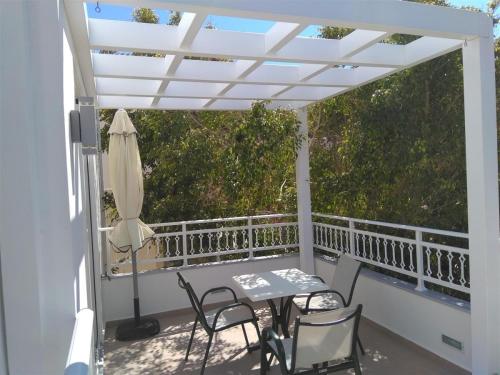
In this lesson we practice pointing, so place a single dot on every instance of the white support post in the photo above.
(250, 238)
(184, 245)
(420, 262)
(304, 197)
(352, 243)
(482, 198)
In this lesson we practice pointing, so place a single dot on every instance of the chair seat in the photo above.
(287, 347)
(229, 317)
(327, 301)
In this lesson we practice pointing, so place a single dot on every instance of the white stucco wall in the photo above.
(43, 240)
(418, 317)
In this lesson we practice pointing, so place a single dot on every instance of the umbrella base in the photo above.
(129, 330)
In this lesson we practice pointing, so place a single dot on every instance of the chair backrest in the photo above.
(193, 299)
(345, 276)
(324, 337)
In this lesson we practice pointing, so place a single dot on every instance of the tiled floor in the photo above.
(386, 353)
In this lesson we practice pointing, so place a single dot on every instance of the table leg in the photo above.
(281, 319)
(285, 316)
(274, 314)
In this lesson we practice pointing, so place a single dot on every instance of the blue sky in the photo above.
(225, 23)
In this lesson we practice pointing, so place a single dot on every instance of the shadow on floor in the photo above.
(386, 352)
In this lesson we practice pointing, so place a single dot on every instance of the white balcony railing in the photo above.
(204, 241)
(428, 255)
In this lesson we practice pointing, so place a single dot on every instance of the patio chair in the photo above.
(340, 295)
(322, 343)
(222, 318)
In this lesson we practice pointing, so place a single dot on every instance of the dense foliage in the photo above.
(394, 150)
(214, 164)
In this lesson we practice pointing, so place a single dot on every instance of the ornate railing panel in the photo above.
(205, 241)
(427, 255)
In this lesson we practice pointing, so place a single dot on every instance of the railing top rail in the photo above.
(209, 221)
(397, 226)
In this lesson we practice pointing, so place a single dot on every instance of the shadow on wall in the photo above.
(77, 369)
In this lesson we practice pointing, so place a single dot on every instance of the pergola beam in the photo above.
(151, 68)
(77, 24)
(392, 16)
(194, 104)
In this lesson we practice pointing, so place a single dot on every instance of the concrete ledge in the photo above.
(203, 265)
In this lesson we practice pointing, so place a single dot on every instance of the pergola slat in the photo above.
(279, 35)
(359, 40)
(188, 27)
(147, 38)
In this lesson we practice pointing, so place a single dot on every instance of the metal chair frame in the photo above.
(211, 330)
(321, 368)
(346, 302)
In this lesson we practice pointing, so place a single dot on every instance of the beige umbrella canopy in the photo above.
(125, 172)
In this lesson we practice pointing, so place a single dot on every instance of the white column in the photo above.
(482, 197)
(304, 197)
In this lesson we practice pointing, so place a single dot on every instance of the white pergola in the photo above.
(315, 68)
(293, 71)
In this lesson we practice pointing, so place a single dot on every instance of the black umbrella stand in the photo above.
(137, 328)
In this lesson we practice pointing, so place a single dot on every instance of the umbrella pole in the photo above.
(137, 328)
(137, 309)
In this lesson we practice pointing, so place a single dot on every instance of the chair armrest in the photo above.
(218, 289)
(319, 278)
(233, 305)
(268, 334)
(327, 291)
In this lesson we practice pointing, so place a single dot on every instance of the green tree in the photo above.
(145, 15)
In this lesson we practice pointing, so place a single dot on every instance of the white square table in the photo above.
(282, 284)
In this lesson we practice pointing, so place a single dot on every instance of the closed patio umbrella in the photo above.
(130, 233)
